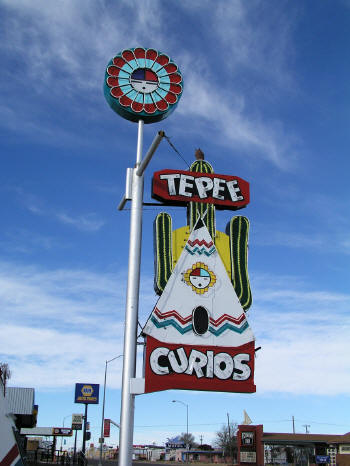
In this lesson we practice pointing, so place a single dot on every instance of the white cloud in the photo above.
(304, 337)
(61, 324)
(223, 112)
(88, 222)
(69, 44)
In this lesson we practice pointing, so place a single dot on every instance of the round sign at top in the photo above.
(143, 84)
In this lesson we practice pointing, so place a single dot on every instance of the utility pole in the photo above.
(306, 428)
(229, 435)
(201, 439)
(294, 462)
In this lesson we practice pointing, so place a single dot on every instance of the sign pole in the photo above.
(75, 447)
(84, 428)
(131, 311)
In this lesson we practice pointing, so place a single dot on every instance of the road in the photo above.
(94, 462)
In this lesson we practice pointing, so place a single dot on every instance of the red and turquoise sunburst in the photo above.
(143, 84)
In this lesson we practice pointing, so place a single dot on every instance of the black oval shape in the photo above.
(200, 320)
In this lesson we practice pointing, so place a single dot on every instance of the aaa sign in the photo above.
(181, 187)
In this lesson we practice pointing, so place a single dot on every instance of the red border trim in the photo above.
(10, 457)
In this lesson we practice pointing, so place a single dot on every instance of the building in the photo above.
(21, 405)
(11, 453)
(259, 448)
(311, 446)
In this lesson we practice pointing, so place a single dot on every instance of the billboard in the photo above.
(86, 393)
(198, 336)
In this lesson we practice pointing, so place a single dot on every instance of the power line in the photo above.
(174, 148)
(181, 425)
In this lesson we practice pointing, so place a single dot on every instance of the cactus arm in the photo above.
(238, 231)
(163, 257)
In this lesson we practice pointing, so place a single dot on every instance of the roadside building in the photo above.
(259, 448)
(11, 449)
(21, 405)
(280, 447)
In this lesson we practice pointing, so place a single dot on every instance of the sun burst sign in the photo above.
(198, 336)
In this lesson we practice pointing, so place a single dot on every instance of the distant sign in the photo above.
(86, 393)
(247, 438)
(322, 459)
(175, 445)
(77, 418)
(107, 428)
(77, 421)
(63, 431)
(248, 457)
(175, 442)
(181, 187)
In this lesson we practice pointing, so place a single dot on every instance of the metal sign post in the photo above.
(144, 86)
(132, 298)
(131, 311)
(84, 429)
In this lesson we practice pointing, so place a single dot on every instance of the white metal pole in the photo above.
(103, 416)
(131, 311)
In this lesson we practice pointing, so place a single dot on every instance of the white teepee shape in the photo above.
(199, 305)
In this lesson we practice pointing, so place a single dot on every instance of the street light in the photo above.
(178, 401)
(103, 407)
(65, 417)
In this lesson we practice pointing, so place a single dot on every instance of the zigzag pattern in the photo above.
(200, 251)
(184, 324)
(201, 242)
(200, 247)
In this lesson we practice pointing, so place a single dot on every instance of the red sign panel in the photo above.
(250, 445)
(211, 368)
(181, 187)
(107, 428)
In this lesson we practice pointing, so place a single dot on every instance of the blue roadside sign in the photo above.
(323, 459)
(86, 393)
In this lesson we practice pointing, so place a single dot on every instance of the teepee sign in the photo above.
(198, 336)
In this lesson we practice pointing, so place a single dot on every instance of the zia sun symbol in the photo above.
(143, 84)
(200, 278)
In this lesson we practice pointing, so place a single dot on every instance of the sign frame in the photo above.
(93, 398)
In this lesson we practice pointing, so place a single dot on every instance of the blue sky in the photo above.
(266, 97)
